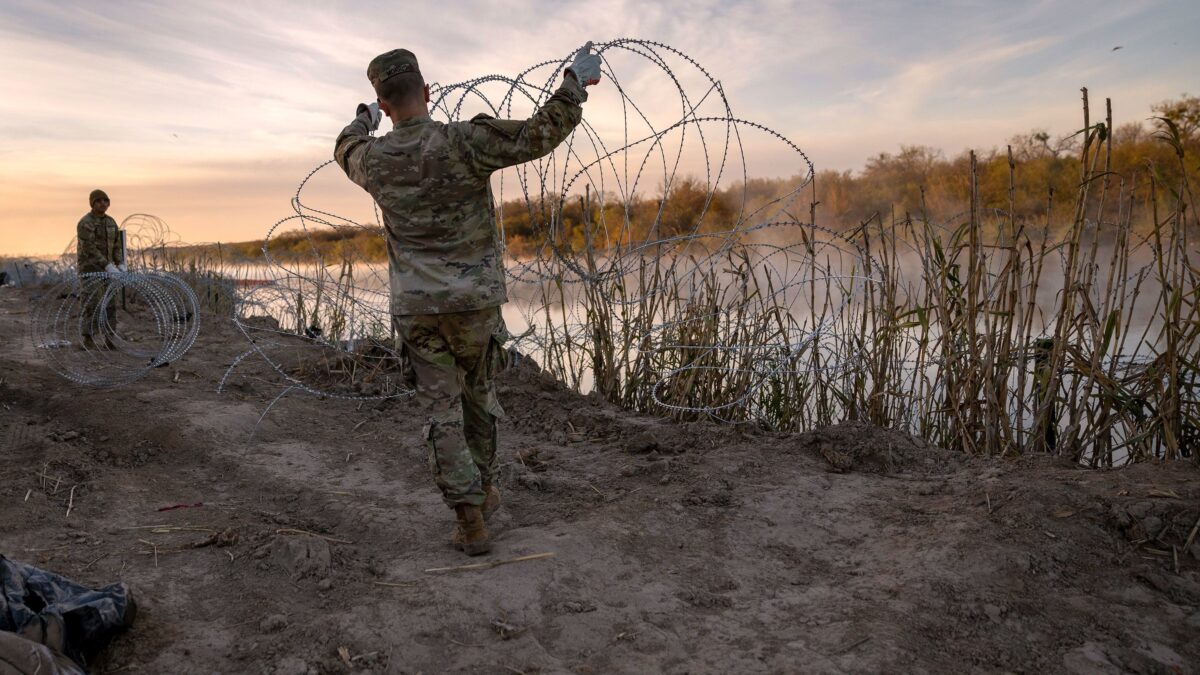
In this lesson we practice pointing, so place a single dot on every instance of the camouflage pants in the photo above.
(455, 358)
(92, 291)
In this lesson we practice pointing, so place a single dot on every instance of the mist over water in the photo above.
(824, 301)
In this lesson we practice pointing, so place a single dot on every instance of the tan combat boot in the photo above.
(491, 500)
(470, 534)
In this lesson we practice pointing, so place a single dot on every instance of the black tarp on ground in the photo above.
(44, 608)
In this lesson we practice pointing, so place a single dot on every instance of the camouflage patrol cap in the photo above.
(97, 195)
(390, 64)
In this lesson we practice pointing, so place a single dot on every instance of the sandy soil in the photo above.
(677, 548)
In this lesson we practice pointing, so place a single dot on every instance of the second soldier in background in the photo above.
(98, 248)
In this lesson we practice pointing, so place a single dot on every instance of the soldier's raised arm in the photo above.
(351, 145)
(492, 144)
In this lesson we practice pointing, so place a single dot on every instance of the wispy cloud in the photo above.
(235, 101)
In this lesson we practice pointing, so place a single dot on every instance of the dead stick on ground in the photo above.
(153, 546)
(71, 501)
(624, 494)
(1192, 536)
(288, 530)
(94, 561)
(852, 645)
(491, 564)
(1165, 494)
(160, 529)
(462, 644)
(182, 528)
(394, 584)
(165, 551)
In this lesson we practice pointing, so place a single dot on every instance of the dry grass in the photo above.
(985, 335)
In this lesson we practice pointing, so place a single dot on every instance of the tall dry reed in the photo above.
(989, 334)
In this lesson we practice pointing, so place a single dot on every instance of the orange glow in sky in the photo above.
(208, 114)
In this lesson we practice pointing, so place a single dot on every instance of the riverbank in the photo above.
(309, 547)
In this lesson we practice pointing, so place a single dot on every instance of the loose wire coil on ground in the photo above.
(108, 330)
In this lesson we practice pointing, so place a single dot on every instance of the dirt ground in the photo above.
(676, 548)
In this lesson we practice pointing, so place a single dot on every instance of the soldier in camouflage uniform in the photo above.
(431, 182)
(97, 249)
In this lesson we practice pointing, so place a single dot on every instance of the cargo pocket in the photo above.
(408, 374)
(498, 356)
(427, 436)
(497, 362)
(493, 402)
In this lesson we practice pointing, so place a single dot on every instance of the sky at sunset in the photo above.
(208, 114)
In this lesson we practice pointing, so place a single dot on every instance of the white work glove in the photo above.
(111, 268)
(586, 66)
(123, 267)
(373, 114)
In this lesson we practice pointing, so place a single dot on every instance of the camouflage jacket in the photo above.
(97, 243)
(431, 181)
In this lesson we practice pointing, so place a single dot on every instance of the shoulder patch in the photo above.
(508, 128)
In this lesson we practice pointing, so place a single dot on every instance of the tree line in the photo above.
(1034, 177)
